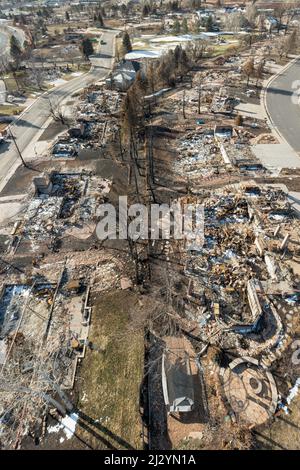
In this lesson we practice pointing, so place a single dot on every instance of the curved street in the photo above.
(283, 103)
(34, 119)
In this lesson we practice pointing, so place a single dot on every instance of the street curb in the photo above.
(48, 92)
(13, 168)
(60, 86)
(264, 99)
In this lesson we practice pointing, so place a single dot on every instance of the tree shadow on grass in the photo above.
(86, 422)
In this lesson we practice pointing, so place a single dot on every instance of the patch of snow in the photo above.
(292, 299)
(211, 34)
(54, 429)
(294, 391)
(158, 93)
(183, 38)
(139, 44)
(67, 424)
(58, 81)
(142, 54)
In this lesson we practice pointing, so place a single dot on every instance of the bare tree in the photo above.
(235, 21)
(3, 66)
(248, 69)
(199, 87)
(183, 104)
(251, 14)
(152, 75)
(166, 69)
(259, 71)
(199, 47)
(247, 39)
(289, 43)
(57, 112)
(30, 378)
(36, 74)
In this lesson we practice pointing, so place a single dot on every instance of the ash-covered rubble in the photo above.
(223, 102)
(65, 148)
(245, 267)
(198, 155)
(44, 326)
(237, 153)
(95, 123)
(212, 152)
(61, 205)
(45, 316)
(98, 113)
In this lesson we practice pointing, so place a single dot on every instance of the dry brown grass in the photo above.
(111, 379)
(284, 432)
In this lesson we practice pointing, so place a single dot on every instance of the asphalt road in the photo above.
(283, 103)
(34, 119)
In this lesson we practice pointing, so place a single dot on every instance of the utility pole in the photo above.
(18, 150)
(199, 97)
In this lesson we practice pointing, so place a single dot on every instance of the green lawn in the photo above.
(221, 49)
(10, 110)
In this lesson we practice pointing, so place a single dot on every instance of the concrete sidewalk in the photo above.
(273, 156)
(276, 156)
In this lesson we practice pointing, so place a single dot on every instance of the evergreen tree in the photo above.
(177, 55)
(173, 6)
(141, 82)
(209, 24)
(15, 49)
(127, 46)
(87, 48)
(145, 10)
(124, 9)
(176, 27)
(184, 26)
(100, 20)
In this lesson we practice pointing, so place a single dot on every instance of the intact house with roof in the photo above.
(124, 75)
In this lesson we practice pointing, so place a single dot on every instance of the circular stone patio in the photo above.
(250, 390)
